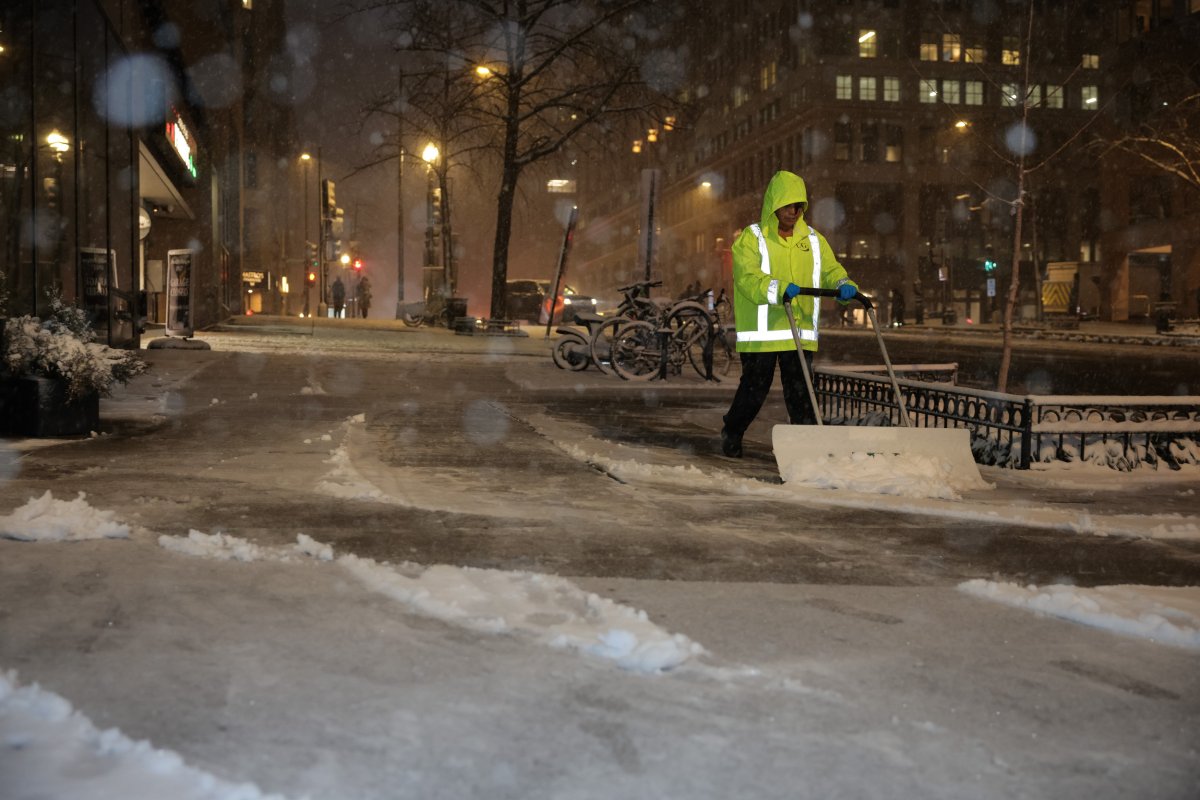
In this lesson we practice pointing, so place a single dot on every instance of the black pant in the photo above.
(758, 370)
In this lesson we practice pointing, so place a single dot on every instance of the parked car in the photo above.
(524, 299)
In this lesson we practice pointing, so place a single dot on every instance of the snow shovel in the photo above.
(796, 444)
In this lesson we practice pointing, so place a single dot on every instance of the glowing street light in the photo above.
(57, 142)
(345, 259)
(483, 71)
(430, 153)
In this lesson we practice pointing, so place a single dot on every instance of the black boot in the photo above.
(731, 444)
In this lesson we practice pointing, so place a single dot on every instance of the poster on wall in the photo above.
(95, 265)
(179, 293)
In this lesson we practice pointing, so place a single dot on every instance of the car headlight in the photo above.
(566, 301)
(595, 301)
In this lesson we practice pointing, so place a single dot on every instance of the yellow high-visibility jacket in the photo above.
(764, 264)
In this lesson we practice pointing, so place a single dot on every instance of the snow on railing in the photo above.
(1122, 432)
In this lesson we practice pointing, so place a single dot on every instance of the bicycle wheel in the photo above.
(637, 352)
(690, 324)
(724, 356)
(600, 347)
(570, 353)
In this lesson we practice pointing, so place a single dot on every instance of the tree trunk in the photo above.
(1014, 284)
(510, 172)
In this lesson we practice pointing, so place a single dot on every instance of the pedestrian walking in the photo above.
(339, 297)
(362, 294)
(772, 260)
(897, 306)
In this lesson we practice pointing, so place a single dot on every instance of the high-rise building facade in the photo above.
(913, 124)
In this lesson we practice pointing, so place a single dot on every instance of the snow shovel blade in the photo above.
(798, 445)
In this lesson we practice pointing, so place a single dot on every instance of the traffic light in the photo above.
(989, 266)
(358, 265)
(311, 277)
(313, 261)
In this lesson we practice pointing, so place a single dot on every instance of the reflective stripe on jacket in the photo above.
(765, 263)
(763, 331)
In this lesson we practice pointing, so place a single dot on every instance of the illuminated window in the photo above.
(1008, 94)
(768, 76)
(974, 54)
(951, 47)
(928, 92)
(1034, 100)
(952, 92)
(974, 93)
(866, 88)
(1011, 52)
(845, 87)
(891, 90)
(929, 48)
(1090, 97)
(868, 44)
(740, 95)
(1054, 96)
(893, 146)
(1091, 61)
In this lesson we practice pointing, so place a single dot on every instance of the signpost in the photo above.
(180, 313)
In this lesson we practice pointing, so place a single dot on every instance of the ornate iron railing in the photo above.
(1016, 430)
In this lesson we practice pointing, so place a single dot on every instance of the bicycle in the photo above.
(682, 323)
(635, 305)
(724, 352)
(572, 350)
(642, 350)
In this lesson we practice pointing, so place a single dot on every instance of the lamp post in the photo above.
(306, 159)
(437, 170)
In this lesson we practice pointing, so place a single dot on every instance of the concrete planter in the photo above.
(38, 407)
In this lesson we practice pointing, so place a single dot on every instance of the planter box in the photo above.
(38, 407)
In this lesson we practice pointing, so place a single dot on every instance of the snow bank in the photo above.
(50, 750)
(550, 610)
(44, 519)
(1168, 615)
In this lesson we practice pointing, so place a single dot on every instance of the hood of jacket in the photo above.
(784, 189)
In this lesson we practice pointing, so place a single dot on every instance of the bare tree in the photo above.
(541, 73)
(1167, 134)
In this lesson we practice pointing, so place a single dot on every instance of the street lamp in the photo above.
(57, 142)
(306, 159)
(439, 206)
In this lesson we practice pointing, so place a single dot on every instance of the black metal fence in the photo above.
(1017, 430)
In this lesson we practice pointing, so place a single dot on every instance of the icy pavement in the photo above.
(377, 573)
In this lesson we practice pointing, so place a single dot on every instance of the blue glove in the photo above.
(846, 293)
(791, 291)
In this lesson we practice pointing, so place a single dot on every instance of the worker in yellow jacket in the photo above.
(772, 259)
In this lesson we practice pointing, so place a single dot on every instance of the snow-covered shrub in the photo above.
(63, 347)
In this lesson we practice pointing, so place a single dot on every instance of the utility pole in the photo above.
(399, 187)
(322, 304)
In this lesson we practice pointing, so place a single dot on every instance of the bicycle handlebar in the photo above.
(859, 296)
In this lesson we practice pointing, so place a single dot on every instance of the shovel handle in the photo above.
(859, 296)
